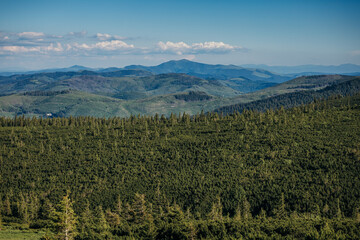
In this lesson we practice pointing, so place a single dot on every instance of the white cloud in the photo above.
(107, 37)
(214, 46)
(56, 48)
(30, 35)
(25, 49)
(77, 34)
(105, 45)
(78, 43)
(19, 49)
(180, 48)
(102, 36)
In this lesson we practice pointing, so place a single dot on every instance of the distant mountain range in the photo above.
(250, 71)
(174, 86)
(223, 72)
(350, 69)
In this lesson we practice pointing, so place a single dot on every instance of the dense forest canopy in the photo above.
(287, 172)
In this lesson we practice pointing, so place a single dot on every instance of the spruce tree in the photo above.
(216, 210)
(7, 206)
(280, 211)
(86, 223)
(246, 210)
(65, 219)
(0, 221)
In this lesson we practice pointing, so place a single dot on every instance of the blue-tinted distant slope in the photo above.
(220, 72)
(308, 69)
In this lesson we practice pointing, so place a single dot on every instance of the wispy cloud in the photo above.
(11, 50)
(30, 35)
(71, 35)
(107, 37)
(80, 43)
(181, 48)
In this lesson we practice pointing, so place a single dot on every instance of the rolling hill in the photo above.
(171, 87)
(293, 99)
(223, 72)
(163, 94)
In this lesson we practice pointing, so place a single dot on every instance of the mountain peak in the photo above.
(78, 67)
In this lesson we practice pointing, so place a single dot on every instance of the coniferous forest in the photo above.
(287, 173)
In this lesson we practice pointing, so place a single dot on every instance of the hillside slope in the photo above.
(221, 72)
(343, 86)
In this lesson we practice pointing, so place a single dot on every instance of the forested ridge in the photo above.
(294, 99)
(256, 175)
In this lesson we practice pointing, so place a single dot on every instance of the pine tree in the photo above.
(216, 210)
(0, 221)
(46, 209)
(22, 207)
(357, 215)
(238, 214)
(102, 226)
(280, 211)
(119, 207)
(86, 223)
(7, 206)
(246, 213)
(339, 214)
(65, 219)
(139, 208)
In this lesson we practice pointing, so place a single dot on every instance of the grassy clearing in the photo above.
(17, 234)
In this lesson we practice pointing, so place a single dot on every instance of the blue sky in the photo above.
(42, 34)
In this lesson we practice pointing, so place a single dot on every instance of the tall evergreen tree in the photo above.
(86, 223)
(280, 211)
(65, 219)
(216, 210)
(102, 226)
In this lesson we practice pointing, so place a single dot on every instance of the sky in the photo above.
(41, 34)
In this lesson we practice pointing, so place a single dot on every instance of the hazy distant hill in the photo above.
(88, 81)
(125, 84)
(74, 68)
(309, 69)
(223, 72)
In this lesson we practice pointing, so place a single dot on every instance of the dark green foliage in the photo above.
(193, 96)
(294, 99)
(286, 173)
(46, 93)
